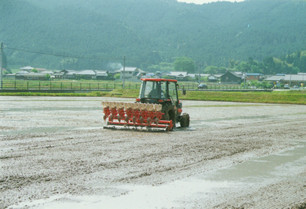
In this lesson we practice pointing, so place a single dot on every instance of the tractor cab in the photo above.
(159, 91)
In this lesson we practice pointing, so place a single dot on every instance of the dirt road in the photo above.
(54, 152)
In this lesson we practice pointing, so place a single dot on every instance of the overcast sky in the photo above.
(206, 1)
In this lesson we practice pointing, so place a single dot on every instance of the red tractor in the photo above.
(157, 108)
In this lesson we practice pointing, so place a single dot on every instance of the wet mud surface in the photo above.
(55, 150)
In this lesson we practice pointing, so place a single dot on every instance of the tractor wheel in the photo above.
(185, 120)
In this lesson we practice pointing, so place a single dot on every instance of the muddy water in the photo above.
(55, 153)
(200, 191)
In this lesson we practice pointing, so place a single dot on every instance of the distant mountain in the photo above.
(93, 33)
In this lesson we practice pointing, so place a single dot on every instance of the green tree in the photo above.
(117, 76)
(184, 64)
(163, 66)
(211, 69)
(269, 65)
(48, 77)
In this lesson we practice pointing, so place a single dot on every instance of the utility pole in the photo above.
(123, 73)
(1, 63)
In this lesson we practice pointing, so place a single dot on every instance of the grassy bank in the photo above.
(128, 93)
(280, 97)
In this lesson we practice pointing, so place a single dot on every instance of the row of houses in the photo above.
(291, 79)
(134, 74)
(30, 73)
(227, 77)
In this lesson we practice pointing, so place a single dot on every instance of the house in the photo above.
(295, 79)
(149, 75)
(158, 74)
(103, 75)
(27, 68)
(291, 79)
(21, 74)
(69, 74)
(254, 76)
(32, 76)
(230, 78)
(8, 75)
(41, 69)
(212, 78)
(131, 73)
(239, 73)
(178, 75)
(59, 74)
(86, 74)
(275, 78)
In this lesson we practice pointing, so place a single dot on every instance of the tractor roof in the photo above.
(158, 79)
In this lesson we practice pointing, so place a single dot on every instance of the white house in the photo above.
(178, 75)
(27, 68)
(131, 73)
(101, 75)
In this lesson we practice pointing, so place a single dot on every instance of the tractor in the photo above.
(157, 108)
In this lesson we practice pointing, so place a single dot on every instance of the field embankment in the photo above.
(279, 97)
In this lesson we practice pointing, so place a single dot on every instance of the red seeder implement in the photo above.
(119, 115)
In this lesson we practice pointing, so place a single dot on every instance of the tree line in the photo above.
(289, 64)
(152, 33)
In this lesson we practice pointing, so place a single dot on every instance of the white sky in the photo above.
(206, 1)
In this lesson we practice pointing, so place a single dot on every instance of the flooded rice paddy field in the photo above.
(54, 153)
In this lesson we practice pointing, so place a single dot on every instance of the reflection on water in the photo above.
(265, 167)
(261, 171)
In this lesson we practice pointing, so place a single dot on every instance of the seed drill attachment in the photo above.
(135, 116)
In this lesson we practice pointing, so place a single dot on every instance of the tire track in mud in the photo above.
(85, 161)
(176, 151)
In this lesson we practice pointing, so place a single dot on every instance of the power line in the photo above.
(62, 55)
(1, 62)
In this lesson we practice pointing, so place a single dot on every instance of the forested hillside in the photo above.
(93, 33)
